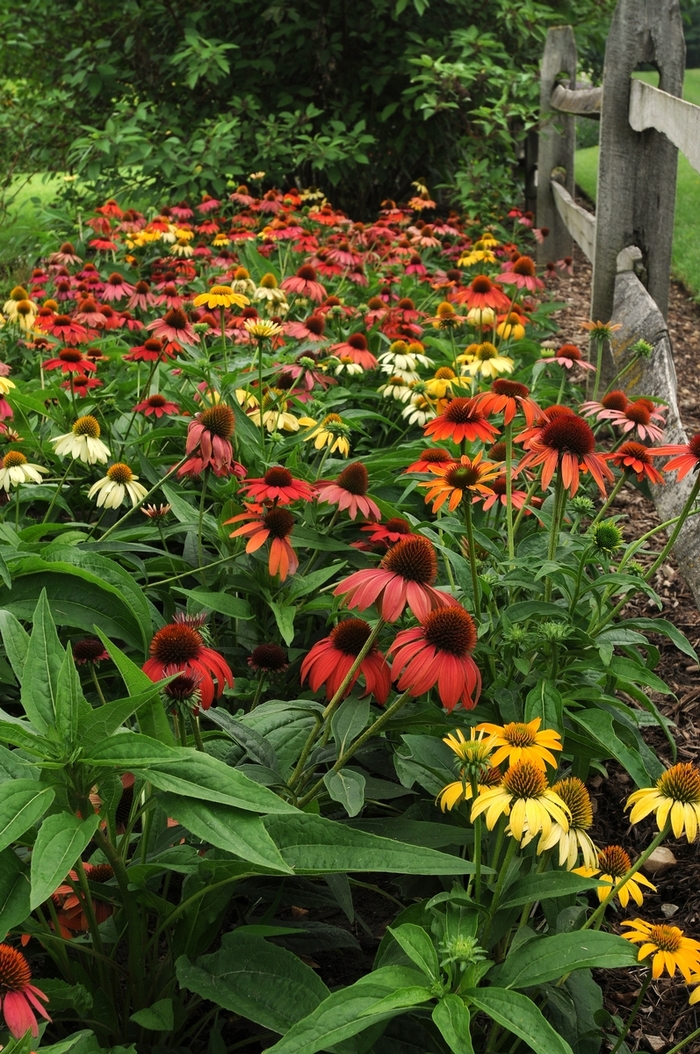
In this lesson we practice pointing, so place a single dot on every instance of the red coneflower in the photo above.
(434, 459)
(81, 384)
(636, 415)
(311, 328)
(637, 458)
(174, 327)
(70, 360)
(329, 662)
(349, 492)
(385, 534)
(567, 443)
(89, 649)
(458, 479)
(438, 654)
(277, 485)
(684, 456)
(355, 348)
(499, 494)
(522, 273)
(530, 435)
(404, 577)
(18, 998)
(156, 404)
(268, 658)
(276, 524)
(304, 283)
(508, 397)
(89, 313)
(482, 292)
(65, 328)
(152, 350)
(209, 441)
(461, 419)
(178, 648)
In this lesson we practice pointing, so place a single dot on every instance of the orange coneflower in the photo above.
(637, 458)
(567, 443)
(355, 348)
(276, 524)
(461, 419)
(70, 360)
(508, 397)
(438, 654)
(499, 493)
(482, 292)
(432, 460)
(385, 534)
(686, 456)
(179, 648)
(468, 476)
(330, 660)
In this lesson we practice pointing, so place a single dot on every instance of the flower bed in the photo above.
(309, 570)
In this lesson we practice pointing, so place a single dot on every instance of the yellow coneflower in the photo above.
(262, 328)
(525, 797)
(613, 864)
(220, 296)
(668, 945)
(675, 797)
(573, 793)
(332, 432)
(518, 741)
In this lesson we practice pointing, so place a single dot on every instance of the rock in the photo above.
(669, 910)
(656, 1044)
(661, 860)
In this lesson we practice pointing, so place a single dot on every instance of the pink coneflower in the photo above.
(170, 296)
(181, 211)
(615, 400)
(461, 419)
(685, 457)
(386, 534)
(508, 397)
(152, 350)
(567, 443)
(275, 524)
(522, 273)
(637, 458)
(499, 494)
(637, 416)
(156, 405)
(302, 375)
(311, 328)
(355, 348)
(209, 443)
(142, 297)
(349, 492)
(404, 578)
(416, 266)
(330, 660)
(89, 313)
(70, 360)
(66, 255)
(568, 356)
(178, 648)
(174, 327)
(19, 999)
(208, 204)
(278, 485)
(304, 283)
(438, 654)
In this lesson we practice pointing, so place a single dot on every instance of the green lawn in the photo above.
(686, 244)
(23, 222)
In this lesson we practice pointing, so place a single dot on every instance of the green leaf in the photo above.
(14, 891)
(222, 603)
(314, 845)
(418, 947)
(103, 722)
(42, 664)
(546, 887)
(402, 999)
(14, 767)
(346, 1012)
(61, 839)
(71, 704)
(23, 803)
(548, 958)
(519, 1015)
(16, 641)
(256, 746)
(349, 721)
(284, 616)
(600, 725)
(348, 788)
(226, 828)
(200, 776)
(258, 980)
(152, 719)
(545, 702)
(453, 1020)
(662, 625)
(64, 996)
(157, 1018)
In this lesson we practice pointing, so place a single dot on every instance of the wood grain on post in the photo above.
(636, 170)
(557, 143)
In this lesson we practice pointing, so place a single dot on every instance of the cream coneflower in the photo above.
(113, 488)
(83, 442)
(15, 469)
(262, 328)
(675, 797)
(486, 360)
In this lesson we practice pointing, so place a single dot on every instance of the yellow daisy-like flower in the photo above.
(446, 317)
(6, 385)
(83, 442)
(182, 248)
(220, 296)
(486, 361)
(332, 432)
(512, 327)
(113, 488)
(475, 751)
(525, 797)
(613, 865)
(668, 945)
(15, 469)
(484, 317)
(440, 384)
(575, 796)
(518, 741)
(261, 328)
(487, 241)
(476, 256)
(461, 790)
(675, 797)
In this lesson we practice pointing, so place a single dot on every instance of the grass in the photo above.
(686, 246)
(24, 223)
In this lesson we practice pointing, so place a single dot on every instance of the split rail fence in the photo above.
(629, 239)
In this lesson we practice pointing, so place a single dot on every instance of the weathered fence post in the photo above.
(636, 170)
(557, 143)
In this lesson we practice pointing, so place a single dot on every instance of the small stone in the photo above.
(669, 910)
(655, 1044)
(693, 668)
(662, 859)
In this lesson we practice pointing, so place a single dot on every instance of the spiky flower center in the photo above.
(241, 274)
(397, 526)
(681, 783)
(176, 318)
(176, 644)
(461, 477)
(524, 265)
(435, 455)
(358, 341)
(279, 522)
(569, 434)
(268, 657)
(70, 355)
(143, 287)
(614, 861)
(525, 780)
(481, 284)
(497, 452)
(120, 473)
(444, 373)
(278, 476)
(15, 974)
(156, 401)
(451, 630)
(638, 412)
(398, 347)
(518, 734)
(607, 536)
(406, 304)
(445, 310)
(615, 400)
(13, 458)
(316, 324)
(307, 273)
(19, 293)
(486, 351)
(666, 938)
(462, 412)
(351, 636)
(573, 793)
(354, 479)
(694, 445)
(89, 649)
(87, 426)
(636, 450)
(221, 290)
(569, 351)
(183, 688)
(413, 559)
(219, 420)
(100, 873)
(512, 389)
(268, 281)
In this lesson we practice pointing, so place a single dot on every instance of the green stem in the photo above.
(88, 906)
(521, 512)
(512, 849)
(554, 530)
(132, 914)
(600, 910)
(477, 842)
(200, 522)
(59, 488)
(600, 344)
(685, 1042)
(222, 320)
(194, 721)
(509, 488)
(562, 386)
(147, 386)
(472, 558)
(613, 494)
(676, 531)
(96, 682)
(260, 398)
(633, 1014)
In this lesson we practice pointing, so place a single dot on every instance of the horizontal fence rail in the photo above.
(677, 119)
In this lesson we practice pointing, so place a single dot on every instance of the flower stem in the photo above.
(477, 842)
(222, 321)
(685, 1042)
(260, 397)
(676, 531)
(600, 910)
(509, 488)
(200, 521)
(96, 682)
(611, 498)
(600, 344)
(145, 498)
(554, 530)
(59, 488)
(504, 868)
(472, 558)
(633, 1014)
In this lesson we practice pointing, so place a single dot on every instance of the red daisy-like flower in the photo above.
(276, 524)
(355, 348)
(385, 534)
(70, 360)
(179, 648)
(509, 398)
(404, 578)
(482, 292)
(567, 443)
(531, 435)
(117, 288)
(142, 297)
(499, 494)
(81, 384)
(174, 327)
(65, 328)
(349, 492)
(279, 486)
(461, 419)
(156, 404)
(312, 328)
(304, 283)
(19, 999)
(438, 654)
(458, 479)
(637, 458)
(684, 456)
(522, 273)
(435, 459)
(152, 350)
(329, 662)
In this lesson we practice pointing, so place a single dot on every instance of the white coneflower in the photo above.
(83, 442)
(15, 469)
(113, 488)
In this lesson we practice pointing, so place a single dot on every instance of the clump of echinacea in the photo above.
(116, 486)
(83, 442)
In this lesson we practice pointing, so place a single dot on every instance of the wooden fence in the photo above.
(629, 239)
